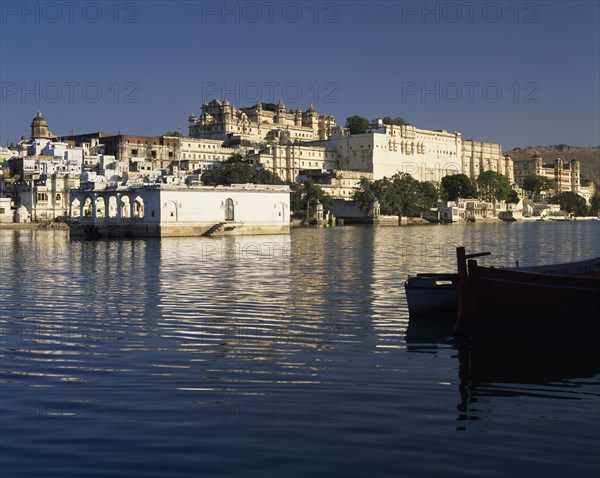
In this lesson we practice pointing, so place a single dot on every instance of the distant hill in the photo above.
(589, 157)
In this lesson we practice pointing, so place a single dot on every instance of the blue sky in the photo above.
(518, 73)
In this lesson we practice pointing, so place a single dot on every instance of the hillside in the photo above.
(589, 157)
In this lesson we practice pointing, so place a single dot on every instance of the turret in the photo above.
(310, 118)
(509, 168)
(259, 110)
(39, 128)
(227, 116)
(539, 164)
(280, 107)
(575, 176)
(280, 115)
(558, 170)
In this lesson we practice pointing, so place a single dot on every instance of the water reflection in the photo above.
(483, 363)
(210, 345)
(431, 330)
(251, 308)
(488, 369)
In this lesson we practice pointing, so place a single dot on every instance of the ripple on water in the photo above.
(283, 355)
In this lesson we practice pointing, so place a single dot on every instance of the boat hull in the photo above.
(516, 303)
(432, 295)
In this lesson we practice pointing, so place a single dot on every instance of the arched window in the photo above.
(229, 210)
(112, 206)
(75, 208)
(125, 207)
(100, 207)
(138, 208)
(87, 207)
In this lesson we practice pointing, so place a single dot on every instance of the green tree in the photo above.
(572, 203)
(173, 133)
(458, 186)
(304, 196)
(296, 200)
(269, 107)
(357, 124)
(235, 171)
(395, 121)
(365, 195)
(400, 195)
(267, 177)
(392, 197)
(493, 185)
(595, 204)
(536, 184)
(513, 197)
(429, 195)
(404, 195)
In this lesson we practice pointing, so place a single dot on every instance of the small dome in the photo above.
(192, 117)
(280, 105)
(311, 108)
(39, 119)
(225, 102)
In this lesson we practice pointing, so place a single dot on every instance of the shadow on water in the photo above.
(547, 368)
(532, 361)
(495, 368)
(430, 330)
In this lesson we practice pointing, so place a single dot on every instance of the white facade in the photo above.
(289, 160)
(198, 154)
(160, 210)
(343, 184)
(567, 175)
(224, 122)
(387, 150)
(469, 210)
(6, 213)
(478, 157)
(47, 170)
(427, 155)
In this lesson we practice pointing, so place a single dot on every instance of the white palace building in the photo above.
(299, 144)
(114, 170)
(167, 210)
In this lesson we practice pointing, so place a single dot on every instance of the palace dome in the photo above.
(39, 120)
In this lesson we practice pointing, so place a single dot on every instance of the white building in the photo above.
(427, 155)
(46, 175)
(566, 175)
(468, 210)
(289, 161)
(6, 213)
(161, 210)
(226, 122)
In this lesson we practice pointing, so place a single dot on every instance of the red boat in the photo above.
(548, 300)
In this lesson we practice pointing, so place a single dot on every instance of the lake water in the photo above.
(276, 356)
